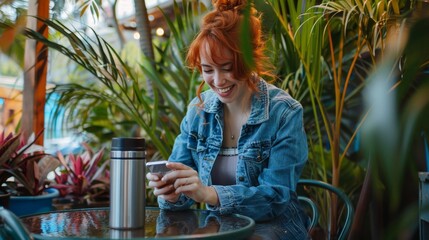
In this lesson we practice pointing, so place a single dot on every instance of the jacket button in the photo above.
(241, 178)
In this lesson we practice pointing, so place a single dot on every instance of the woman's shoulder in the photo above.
(278, 96)
(281, 96)
(210, 103)
(271, 101)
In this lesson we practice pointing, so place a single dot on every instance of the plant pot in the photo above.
(96, 203)
(27, 205)
(66, 203)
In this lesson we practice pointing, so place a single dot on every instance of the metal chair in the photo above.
(309, 202)
(10, 227)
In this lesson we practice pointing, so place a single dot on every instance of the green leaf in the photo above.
(246, 38)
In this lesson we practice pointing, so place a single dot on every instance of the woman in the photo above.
(242, 145)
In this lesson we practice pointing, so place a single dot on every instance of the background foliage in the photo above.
(364, 105)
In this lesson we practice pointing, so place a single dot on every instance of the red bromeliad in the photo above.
(24, 166)
(81, 173)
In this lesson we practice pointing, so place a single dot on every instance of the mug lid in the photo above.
(128, 144)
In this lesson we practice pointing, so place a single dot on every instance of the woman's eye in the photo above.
(207, 70)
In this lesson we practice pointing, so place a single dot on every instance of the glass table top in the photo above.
(159, 224)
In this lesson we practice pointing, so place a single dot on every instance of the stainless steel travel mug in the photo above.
(127, 183)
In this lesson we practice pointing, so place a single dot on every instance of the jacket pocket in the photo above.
(198, 146)
(255, 157)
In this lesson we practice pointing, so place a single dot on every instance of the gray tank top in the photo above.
(225, 166)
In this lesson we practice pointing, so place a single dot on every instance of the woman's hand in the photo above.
(161, 188)
(185, 180)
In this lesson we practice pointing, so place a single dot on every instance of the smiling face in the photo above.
(217, 70)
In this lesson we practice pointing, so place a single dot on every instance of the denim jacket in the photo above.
(272, 151)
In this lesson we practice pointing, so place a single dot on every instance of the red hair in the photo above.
(220, 29)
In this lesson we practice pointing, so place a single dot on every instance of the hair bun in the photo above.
(226, 5)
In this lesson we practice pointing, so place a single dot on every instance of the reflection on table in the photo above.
(94, 223)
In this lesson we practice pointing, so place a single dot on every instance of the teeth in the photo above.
(224, 90)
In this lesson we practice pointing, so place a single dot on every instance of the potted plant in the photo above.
(24, 167)
(83, 180)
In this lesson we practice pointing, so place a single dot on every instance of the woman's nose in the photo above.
(219, 78)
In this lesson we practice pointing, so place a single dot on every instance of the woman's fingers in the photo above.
(168, 193)
(182, 180)
(177, 174)
(157, 184)
(177, 166)
(186, 184)
(164, 190)
(152, 177)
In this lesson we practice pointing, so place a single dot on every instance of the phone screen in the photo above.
(158, 167)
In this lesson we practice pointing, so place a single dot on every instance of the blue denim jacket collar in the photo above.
(260, 104)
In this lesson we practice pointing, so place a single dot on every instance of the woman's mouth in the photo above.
(224, 90)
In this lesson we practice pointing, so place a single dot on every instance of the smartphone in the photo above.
(158, 167)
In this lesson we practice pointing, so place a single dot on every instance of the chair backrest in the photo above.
(310, 195)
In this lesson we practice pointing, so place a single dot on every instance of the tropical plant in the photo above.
(397, 101)
(326, 52)
(10, 43)
(83, 176)
(24, 166)
(118, 102)
(301, 39)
